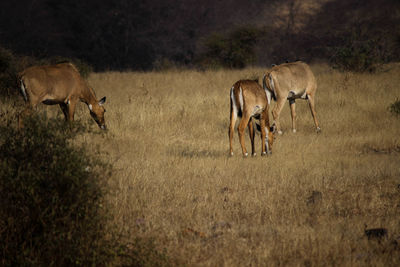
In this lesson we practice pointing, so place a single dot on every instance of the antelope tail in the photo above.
(267, 91)
(236, 107)
(23, 90)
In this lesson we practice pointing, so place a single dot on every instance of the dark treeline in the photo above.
(146, 34)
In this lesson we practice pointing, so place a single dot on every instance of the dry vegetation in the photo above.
(306, 204)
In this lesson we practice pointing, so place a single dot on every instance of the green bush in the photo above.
(51, 196)
(355, 55)
(53, 210)
(8, 70)
(395, 107)
(235, 50)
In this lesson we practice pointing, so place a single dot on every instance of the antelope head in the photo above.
(97, 112)
(270, 138)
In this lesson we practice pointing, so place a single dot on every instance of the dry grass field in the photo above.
(307, 204)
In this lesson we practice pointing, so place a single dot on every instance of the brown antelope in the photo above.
(249, 100)
(290, 81)
(63, 85)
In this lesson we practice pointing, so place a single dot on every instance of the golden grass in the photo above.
(306, 204)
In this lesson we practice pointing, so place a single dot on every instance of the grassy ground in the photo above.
(306, 204)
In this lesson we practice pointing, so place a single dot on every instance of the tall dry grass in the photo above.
(306, 204)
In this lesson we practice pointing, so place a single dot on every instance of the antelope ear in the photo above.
(102, 101)
(90, 107)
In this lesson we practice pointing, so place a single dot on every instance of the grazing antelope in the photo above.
(290, 81)
(63, 85)
(249, 100)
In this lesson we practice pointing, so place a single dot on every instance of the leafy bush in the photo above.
(8, 70)
(395, 107)
(355, 55)
(47, 196)
(52, 208)
(52, 197)
(236, 50)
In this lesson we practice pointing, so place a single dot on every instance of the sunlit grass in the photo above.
(306, 204)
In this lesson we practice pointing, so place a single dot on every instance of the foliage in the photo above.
(355, 55)
(52, 197)
(8, 70)
(53, 209)
(395, 107)
(236, 50)
(121, 35)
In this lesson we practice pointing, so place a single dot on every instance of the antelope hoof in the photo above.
(294, 131)
(245, 154)
(318, 130)
(254, 154)
(264, 154)
(231, 154)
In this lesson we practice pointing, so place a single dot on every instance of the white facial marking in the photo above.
(280, 132)
(68, 102)
(90, 107)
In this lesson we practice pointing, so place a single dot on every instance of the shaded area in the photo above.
(146, 34)
(53, 209)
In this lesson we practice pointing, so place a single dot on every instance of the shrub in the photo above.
(8, 70)
(355, 54)
(395, 107)
(162, 64)
(51, 196)
(236, 50)
(53, 210)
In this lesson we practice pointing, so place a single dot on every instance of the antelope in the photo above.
(249, 100)
(63, 85)
(290, 81)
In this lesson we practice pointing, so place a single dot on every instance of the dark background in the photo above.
(151, 34)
